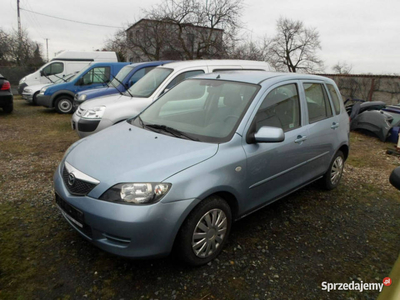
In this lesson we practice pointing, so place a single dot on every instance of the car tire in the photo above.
(8, 109)
(63, 105)
(34, 99)
(332, 177)
(204, 232)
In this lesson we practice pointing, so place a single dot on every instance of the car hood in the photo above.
(108, 100)
(37, 87)
(103, 91)
(126, 153)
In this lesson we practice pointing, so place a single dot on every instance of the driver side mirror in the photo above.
(268, 134)
(41, 73)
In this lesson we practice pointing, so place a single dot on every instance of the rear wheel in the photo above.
(63, 105)
(332, 177)
(205, 232)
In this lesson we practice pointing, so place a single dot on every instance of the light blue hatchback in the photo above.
(210, 151)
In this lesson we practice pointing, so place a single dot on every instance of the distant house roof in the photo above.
(171, 22)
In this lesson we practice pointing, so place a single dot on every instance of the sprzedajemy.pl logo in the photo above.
(356, 286)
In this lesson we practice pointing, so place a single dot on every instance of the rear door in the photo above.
(322, 124)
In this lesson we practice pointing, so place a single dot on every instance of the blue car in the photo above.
(127, 77)
(210, 151)
(61, 95)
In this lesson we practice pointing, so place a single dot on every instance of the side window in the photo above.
(97, 75)
(335, 98)
(54, 68)
(318, 104)
(139, 74)
(181, 77)
(281, 108)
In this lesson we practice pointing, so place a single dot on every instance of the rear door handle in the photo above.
(300, 139)
(334, 125)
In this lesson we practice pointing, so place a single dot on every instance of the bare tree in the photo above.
(19, 50)
(294, 47)
(183, 29)
(342, 68)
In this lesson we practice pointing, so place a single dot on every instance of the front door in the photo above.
(273, 169)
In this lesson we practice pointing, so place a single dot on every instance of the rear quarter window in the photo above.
(335, 98)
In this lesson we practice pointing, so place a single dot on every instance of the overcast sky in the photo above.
(363, 33)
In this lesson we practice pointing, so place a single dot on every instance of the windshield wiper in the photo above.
(173, 131)
(127, 90)
(111, 82)
(60, 78)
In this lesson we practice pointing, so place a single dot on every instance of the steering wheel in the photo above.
(230, 116)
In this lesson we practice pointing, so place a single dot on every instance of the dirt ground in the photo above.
(284, 251)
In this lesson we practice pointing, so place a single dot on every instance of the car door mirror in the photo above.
(395, 178)
(268, 134)
(80, 81)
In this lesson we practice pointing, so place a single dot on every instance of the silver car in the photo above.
(212, 150)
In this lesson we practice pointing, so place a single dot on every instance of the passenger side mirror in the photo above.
(80, 81)
(268, 134)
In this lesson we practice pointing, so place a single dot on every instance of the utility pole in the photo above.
(19, 22)
(47, 48)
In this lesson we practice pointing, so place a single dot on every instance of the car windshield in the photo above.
(120, 76)
(146, 86)
(199, 109)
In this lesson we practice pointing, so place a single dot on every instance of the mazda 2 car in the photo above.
(208, 152)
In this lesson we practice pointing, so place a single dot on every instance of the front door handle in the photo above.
(300, 139)
(334, 125)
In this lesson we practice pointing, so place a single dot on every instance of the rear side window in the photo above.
(335, 98)
(281, 108)
(318, 104)
(181, 77)
(54, 68)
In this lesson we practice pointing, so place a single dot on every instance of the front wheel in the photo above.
(332, 177)
(63, 105)
(34, 98)
(205, 232)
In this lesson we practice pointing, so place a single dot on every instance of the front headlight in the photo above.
(42, 90)
(136, 193)
(82, 98)
(28, 90)
(94, 113)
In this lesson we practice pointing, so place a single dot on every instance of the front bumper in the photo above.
(28, 97)
(44, 100)
(125, 230)
(86, 127)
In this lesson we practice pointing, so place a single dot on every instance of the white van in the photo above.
(99, 113)
(67, 62)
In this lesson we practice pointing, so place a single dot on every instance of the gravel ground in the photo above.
(284, 251)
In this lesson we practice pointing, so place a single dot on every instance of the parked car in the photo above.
(127, 77)
(61, 95)
(6, 96)
(212, 150)
(30, 92)
(103, 112)
(66, 62)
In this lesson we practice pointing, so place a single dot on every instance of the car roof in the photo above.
(257, 77)
(215, 62)
(148, 63)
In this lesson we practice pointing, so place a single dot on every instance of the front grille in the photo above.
(79, 187)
